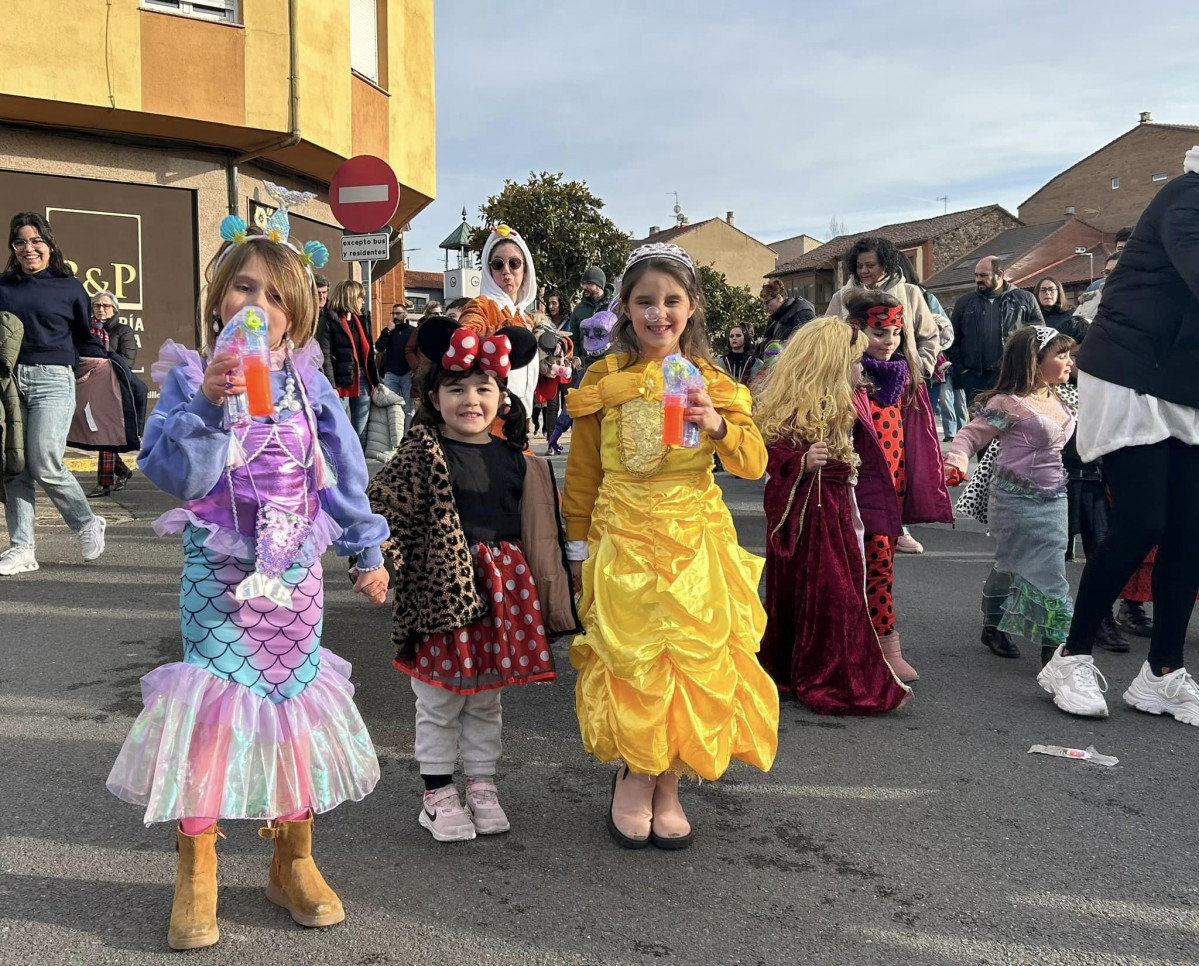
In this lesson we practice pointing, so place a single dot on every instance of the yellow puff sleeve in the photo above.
(584, 470)
(742, 451)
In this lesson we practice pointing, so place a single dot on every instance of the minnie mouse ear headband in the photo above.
(234, 229)
(456, 348)
(659, 250)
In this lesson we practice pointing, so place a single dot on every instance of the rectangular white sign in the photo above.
(365, 248)
(357, 194)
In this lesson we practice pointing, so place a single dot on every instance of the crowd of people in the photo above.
(1076, 425)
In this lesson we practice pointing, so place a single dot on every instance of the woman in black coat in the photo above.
(120, 340)
(343, 335)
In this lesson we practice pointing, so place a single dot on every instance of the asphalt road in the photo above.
(927, 836)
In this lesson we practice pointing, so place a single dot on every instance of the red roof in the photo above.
(413, 279)
(904, 234)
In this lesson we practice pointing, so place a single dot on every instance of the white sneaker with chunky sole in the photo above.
(1075, 683)
(91, 538)
(17, 560)
(1175, 694)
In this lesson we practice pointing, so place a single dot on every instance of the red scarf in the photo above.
(361, 348)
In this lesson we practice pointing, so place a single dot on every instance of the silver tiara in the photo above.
(1045, 335)
(659, 250)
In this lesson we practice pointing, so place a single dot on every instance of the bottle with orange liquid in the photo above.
(246, 336)
(680, 377)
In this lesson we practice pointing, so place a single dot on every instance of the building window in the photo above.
(364, 39)
(222, 10)
(1115, 183)
(1161, 177)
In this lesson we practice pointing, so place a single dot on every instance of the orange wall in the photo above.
(368, 118)
(192, 68)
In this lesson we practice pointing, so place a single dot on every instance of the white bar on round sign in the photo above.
(354, 194)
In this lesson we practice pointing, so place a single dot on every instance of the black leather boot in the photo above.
(999, 642)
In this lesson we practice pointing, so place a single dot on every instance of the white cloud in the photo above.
(789, 113)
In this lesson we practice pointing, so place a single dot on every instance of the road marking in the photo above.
(957, 949)
(357, 194)
(840, 792)
(1140, 913)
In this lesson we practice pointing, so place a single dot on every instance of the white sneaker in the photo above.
(17, 560)
(483, 803)
(1075, 683)
(1175, 694)
(91, 538)
(445, 818)
(908, 544)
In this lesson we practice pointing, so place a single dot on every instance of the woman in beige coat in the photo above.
(874, 264)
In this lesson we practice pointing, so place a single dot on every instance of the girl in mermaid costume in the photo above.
(258, 721)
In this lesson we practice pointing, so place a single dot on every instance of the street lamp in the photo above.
(1091, 255)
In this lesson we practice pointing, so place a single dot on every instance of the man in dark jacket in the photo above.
(1139, 412)
(393, 342)
(982, 323)
(786, 314)
(596, 296)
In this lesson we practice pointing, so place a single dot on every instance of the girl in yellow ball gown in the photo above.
(668, 678)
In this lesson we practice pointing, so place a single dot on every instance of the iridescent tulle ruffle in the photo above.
(209, 747)
(230, 543)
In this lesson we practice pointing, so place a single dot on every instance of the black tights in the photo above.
(1153, 504)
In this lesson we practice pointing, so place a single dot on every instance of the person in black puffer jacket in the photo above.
(1139, 409)
(343, 335)
(786, 314)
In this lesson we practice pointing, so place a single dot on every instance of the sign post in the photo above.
(364, 195)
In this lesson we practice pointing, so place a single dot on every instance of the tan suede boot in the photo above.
(631, 811)
(903, 670)
(670, 828)
(193, 912)
(296, 883)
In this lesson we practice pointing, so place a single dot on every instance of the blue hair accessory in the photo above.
(315, 254)
(233, 228)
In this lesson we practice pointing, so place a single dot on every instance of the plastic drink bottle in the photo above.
(246, 335)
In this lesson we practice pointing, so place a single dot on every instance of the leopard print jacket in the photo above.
(435, 575)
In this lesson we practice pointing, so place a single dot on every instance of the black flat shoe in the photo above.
(999, 643)
(1132, 619)
(120, 483)
(99, 492)
(623, 840)
(1109, 637)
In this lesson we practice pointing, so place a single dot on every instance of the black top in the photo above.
(56, 316)
(1065, 322)
(982, 324)
(488, 480)
(788, 317)
(1146, 333)
(391, 343)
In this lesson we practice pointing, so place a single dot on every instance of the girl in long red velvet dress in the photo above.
(901, 417)
(828, 485)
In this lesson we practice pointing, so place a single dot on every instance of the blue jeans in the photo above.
(954, 414)
(47, 407)
(402, 387)
(360, 408)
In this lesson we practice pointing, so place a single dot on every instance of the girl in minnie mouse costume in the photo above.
(476, 540)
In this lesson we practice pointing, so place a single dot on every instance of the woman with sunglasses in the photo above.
(507, 296)
(39, 288)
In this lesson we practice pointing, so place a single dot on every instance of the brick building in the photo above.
(1110, 188)
(930, 243)
(1029, 252)
(718, 242)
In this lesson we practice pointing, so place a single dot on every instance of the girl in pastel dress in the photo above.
(258, 721)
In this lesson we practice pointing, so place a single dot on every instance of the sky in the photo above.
(792, 113)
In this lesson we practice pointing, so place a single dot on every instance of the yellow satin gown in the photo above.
(668, 678)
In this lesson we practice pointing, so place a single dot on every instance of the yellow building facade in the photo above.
(717, 242)
(137, 125)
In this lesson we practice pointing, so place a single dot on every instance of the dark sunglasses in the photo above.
(497, 264)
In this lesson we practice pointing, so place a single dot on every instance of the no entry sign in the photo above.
(364, 194)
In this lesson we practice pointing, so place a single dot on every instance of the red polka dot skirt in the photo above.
(508, 646)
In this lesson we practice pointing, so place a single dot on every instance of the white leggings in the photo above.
(447, 723)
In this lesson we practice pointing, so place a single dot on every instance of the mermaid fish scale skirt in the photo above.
(258, 720)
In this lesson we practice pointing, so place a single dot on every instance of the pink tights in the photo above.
(194, 826)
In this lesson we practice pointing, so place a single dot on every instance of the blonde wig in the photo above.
(819, 361)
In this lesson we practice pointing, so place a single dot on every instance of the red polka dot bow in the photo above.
(489, 354)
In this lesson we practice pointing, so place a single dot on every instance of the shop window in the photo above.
(223, 10)
(364, 39)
